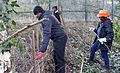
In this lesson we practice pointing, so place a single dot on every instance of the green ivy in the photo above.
(8, 23)
(20, 45)
(7, 8)
(91, 69)
(116, 28)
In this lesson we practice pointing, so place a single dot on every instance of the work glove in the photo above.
(39, 55)
(91, 28)
(102, 40)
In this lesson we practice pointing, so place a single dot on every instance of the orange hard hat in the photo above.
(103, 13)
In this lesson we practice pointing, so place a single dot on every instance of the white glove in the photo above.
(92, 29)
(102, 40)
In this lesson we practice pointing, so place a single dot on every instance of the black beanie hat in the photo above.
(38, 9)
(55, 7)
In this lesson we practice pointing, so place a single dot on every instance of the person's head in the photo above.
(103, 15)
(38, 11)
(54, 8)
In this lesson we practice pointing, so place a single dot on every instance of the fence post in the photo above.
(112, 10)
(49, 4)
(86, 11)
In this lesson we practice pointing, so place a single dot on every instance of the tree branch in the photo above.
(22, 29)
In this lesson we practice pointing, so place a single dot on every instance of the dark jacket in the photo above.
(105, 31)
(51, 29)
(57, 16)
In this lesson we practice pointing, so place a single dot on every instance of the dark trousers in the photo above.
(104, 54)
(59, 52)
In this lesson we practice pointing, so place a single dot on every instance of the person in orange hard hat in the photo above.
(104, 38)
(103, 13)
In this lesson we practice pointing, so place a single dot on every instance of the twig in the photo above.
(21, 30)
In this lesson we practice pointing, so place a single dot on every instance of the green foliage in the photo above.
(20, 45)
(8, 8)
(116, 28)
(91, 69)
(8, 45)
(2, 26)
(14, 3)
(118, 6)
(13, 22)
(11, 42)
(2, 48)
(11, 6)
(8, 23)
(18, 42)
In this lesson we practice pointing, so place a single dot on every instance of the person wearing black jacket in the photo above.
(104, 38)
(56, 12)
(53, 30)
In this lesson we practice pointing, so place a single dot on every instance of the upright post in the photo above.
(112, 10)
(86, 11)
(33, 43)
(49, 4)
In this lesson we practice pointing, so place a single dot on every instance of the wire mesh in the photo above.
(72, 10)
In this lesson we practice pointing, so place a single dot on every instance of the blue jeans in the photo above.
(104, 54)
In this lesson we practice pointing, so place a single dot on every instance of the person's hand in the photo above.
(102, 40)
(39, 55)
(91, 28)
(56, 11)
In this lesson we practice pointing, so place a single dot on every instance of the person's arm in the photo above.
(46, 35)
(95, 40)
(109, 31)
(95, 30)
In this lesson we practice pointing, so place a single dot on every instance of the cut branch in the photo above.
(22, 29)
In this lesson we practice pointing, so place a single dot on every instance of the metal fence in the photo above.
(72, 10)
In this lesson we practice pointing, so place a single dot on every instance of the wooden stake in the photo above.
(33, 43)
(82, 63)
(37, 36)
